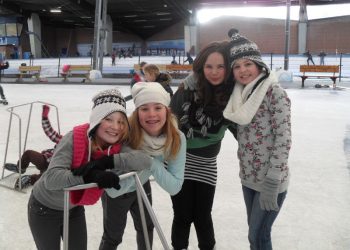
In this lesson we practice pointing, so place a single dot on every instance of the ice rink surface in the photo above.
(315, 215)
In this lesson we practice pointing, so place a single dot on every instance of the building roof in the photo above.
(141, 17)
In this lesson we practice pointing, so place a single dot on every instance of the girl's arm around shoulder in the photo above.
(131, 160)
(172, 177)
(59, 175)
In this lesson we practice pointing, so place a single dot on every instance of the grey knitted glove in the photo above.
(134, 160)
(268, 194)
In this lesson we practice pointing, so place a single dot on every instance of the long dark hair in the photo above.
(207, 93)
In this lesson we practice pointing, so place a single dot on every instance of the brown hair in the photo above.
(208, 93)
(172, 142)
(152, 69)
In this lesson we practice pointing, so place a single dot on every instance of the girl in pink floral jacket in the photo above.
(261, 109)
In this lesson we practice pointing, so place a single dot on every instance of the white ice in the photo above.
(316, 212)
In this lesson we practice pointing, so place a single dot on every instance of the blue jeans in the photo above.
(260, 221)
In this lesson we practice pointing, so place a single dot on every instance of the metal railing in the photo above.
(141, 196)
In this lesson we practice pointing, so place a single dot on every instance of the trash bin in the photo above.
(26, 55)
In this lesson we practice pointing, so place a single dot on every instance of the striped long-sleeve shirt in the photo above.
(53, 135)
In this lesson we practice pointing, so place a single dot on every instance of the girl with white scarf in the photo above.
(153, 129)
(261, 109)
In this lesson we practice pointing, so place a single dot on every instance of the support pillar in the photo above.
(302, 28)
(34, 27)
(99, 34)
(191, 35)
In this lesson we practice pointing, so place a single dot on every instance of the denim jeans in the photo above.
(260, 221)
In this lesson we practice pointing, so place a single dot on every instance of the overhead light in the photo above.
(149, 26)
(86, 17)
(165, 19)
(162, 13)
(131, 16)
(140, 20)
(55, 11)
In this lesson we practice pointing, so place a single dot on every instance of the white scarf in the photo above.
(153, 145)
(239, 108)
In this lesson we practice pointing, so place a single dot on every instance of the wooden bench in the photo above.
(177, 70)
(29, 71)
(160, 66)
(77, 71)
(324, 71)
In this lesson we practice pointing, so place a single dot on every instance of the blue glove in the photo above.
(269, 194)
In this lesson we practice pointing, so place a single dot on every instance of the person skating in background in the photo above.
(153, 128)
(322, 56)
(198, 104)
(189, 58)
(153, 74)
(41, 159)
(87, 154)
(113, 56)
(2, 95)
(3, 66)
(309, 58)
(262, 111)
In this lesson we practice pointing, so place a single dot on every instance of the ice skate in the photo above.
(13, 168)
(25, 182)
(4, 101)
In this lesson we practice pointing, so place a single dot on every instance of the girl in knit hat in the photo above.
(199, 103)
(261, 109)
(153, 128)
(84, 155)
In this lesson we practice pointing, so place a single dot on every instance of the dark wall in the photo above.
(331, 35)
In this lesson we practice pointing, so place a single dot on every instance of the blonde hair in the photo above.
(170, 129)
(152, 69)
(124, 138)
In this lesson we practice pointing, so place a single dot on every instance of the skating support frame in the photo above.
(141, 195)
(14, 114)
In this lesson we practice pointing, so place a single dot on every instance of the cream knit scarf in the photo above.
(153, 145)
(243, 105)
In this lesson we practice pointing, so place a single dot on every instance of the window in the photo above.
(2, 30)
(11, 29)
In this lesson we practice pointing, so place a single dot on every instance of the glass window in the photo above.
(11, 29)
(2, 30)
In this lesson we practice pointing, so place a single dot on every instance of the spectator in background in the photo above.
(189, 58)
(153, 74)
(322, 56)
(138, 76)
